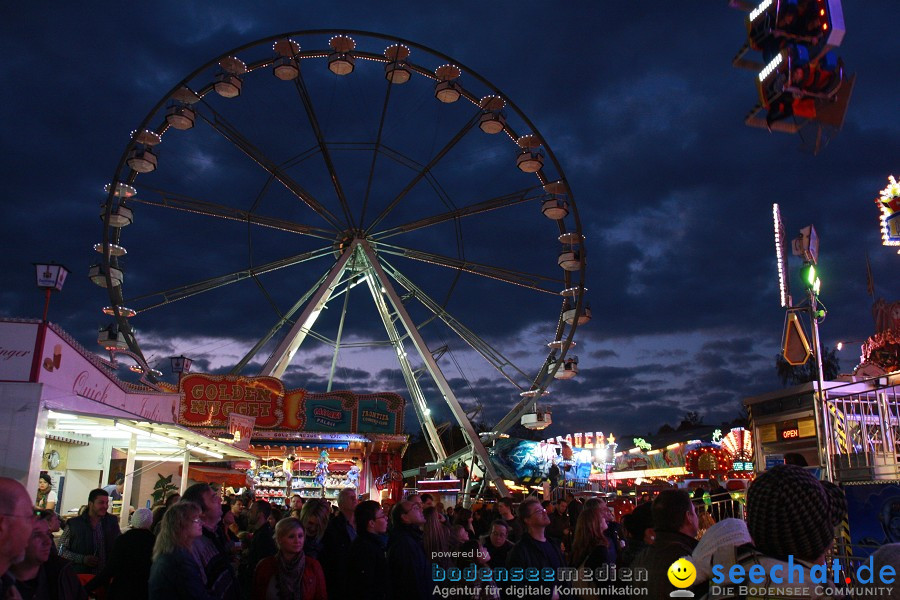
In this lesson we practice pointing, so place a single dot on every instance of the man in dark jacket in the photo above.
(407, 565)
(336, 541)
(675, 527)
(262, 545)
(504, 510)
(129, 563)
(535, 550)
(367, 569)
(497, 543)
(88, 538)
(209, 549)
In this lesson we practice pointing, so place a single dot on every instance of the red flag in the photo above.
(870, 283)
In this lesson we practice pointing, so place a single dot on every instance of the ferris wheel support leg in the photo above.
(434, 370)
(281, 357)
(420, 404)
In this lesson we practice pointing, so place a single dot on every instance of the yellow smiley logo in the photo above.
(682, 573)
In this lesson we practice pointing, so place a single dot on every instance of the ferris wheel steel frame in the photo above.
(361, 257)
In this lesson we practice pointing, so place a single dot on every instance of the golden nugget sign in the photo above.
(208, 400)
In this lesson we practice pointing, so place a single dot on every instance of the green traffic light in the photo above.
(808, 273)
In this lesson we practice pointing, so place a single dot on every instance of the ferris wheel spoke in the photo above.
(284, 320)
(426, 170)
(323, 147)
(494, 357)
(210, 209)
(384, 107)
(185, 291)
(511, 199)
(229, 132)
(521, 278)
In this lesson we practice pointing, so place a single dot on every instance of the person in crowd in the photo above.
(720, 507)
(474, 552)
(339, 534)
(590, 546)
(704, 521)
(575, 508)
(314, 517)
(535, 549)
(465, 518)
(675, 530)
(513, 525)
(613, 531)
(42, 576)
(427, 501)
(276, 515)
(297, 502)
(407, 563)
(88, 538)
(17, 516)
(159, 511)
(497, 543)
(128, 569)
(46, 495)
(228, 526)
(791, 515)
(367, 568)
(638, 527)
(262, 544)
(887, 555)
(176, 573)
(115, 489)
(436, 539)
(289, 573)
(559, 528)
(795, 458)
(53, 524)
(458, 535)
(449, 513)
(209, 549)
(553, 475)
(238, 518)
(719, 546)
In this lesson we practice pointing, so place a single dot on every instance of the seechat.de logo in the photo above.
(682, 574)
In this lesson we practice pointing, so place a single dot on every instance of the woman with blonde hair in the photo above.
(436, 538)
(314, 518)
(590, 548)
(290, 573)
(175, 572)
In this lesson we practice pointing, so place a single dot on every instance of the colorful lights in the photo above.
(889, 203)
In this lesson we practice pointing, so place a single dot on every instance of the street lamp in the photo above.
(180, 365)
(50, 277)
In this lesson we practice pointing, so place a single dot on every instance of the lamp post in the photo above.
(50, 277)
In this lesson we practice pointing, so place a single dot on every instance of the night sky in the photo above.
(638, 102)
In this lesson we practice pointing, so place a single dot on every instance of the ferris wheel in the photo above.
(279, 176)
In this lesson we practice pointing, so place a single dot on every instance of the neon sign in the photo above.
(789, 434)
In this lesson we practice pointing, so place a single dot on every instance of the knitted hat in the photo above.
(142, 518)
(717, 546)
(789, 512)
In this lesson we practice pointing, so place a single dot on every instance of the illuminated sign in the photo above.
(739, 465)
(789, 434)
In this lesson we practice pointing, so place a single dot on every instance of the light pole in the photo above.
(50, 277)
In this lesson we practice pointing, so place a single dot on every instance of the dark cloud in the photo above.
(641, 108)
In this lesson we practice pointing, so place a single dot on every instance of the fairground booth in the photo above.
(308, 444)
(64, 412)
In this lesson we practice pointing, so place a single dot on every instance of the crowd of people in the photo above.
(198, 547)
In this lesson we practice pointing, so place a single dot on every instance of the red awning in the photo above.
(231, 477)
